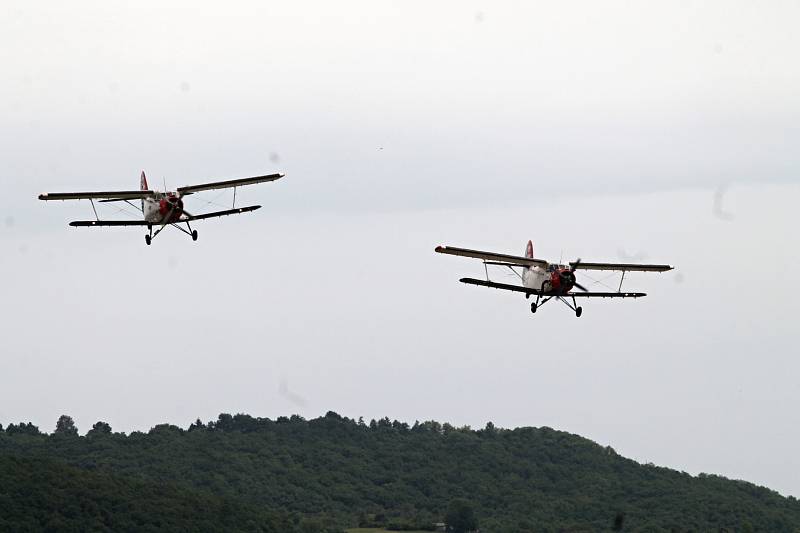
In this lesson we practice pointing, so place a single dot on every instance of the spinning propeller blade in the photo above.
(572, 276)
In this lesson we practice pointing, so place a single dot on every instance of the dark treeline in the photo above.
(333, 472)
(47, 495)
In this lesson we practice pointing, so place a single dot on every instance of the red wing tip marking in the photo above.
(439, 249)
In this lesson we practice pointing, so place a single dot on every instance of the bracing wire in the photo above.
(600, 281)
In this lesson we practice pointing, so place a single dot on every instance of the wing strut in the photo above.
(619, 289)
(134, 206)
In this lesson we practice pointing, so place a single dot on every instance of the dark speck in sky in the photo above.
(294, 398)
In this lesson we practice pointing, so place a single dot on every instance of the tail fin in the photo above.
(529, 250)
(143, 182)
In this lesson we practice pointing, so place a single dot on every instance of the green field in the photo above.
(376, 530)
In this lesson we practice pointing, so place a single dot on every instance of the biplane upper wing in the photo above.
(96, 195)
(528, 290)
(623, 267)
(492, 257)
(189, 189)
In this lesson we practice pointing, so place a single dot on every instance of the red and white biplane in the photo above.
(549, 280)
(160, 208)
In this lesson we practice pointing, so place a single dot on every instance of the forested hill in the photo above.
(48, 495)
(334, 472)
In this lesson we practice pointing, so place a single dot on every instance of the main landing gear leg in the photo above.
(535, 305)
(193, 231)
(149, 238)
(578, 310)
(190, 232)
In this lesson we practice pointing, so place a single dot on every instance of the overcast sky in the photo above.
(628, 130)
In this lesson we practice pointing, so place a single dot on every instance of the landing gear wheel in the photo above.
(533, 307)
(194, 235)
(147, 239)
(579, 311)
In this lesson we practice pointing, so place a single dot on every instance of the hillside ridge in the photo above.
(344, 472)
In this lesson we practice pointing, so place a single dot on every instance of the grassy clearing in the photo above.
(377, 530)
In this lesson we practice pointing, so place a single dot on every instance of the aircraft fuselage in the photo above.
(162, 208)
(555, 279)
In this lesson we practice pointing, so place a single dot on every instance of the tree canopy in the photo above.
(460, 517)
(334, 472)
(66, 426)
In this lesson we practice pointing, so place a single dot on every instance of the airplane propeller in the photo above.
(568, 276)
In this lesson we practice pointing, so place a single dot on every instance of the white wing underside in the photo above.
(621, 267)
(227, 184)
(138, 195)
(504, 259)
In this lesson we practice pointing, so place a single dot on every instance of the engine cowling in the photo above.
(171, 206)
(562, 280)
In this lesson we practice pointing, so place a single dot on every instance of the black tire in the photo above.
(147, 239)
(194, 235)
(578, 312)
(533, 307)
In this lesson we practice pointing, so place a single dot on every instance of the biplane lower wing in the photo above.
(190, 218)
(529, 291)
(107, 223)
(221, 213)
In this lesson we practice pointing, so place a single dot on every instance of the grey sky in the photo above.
(598, 131)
